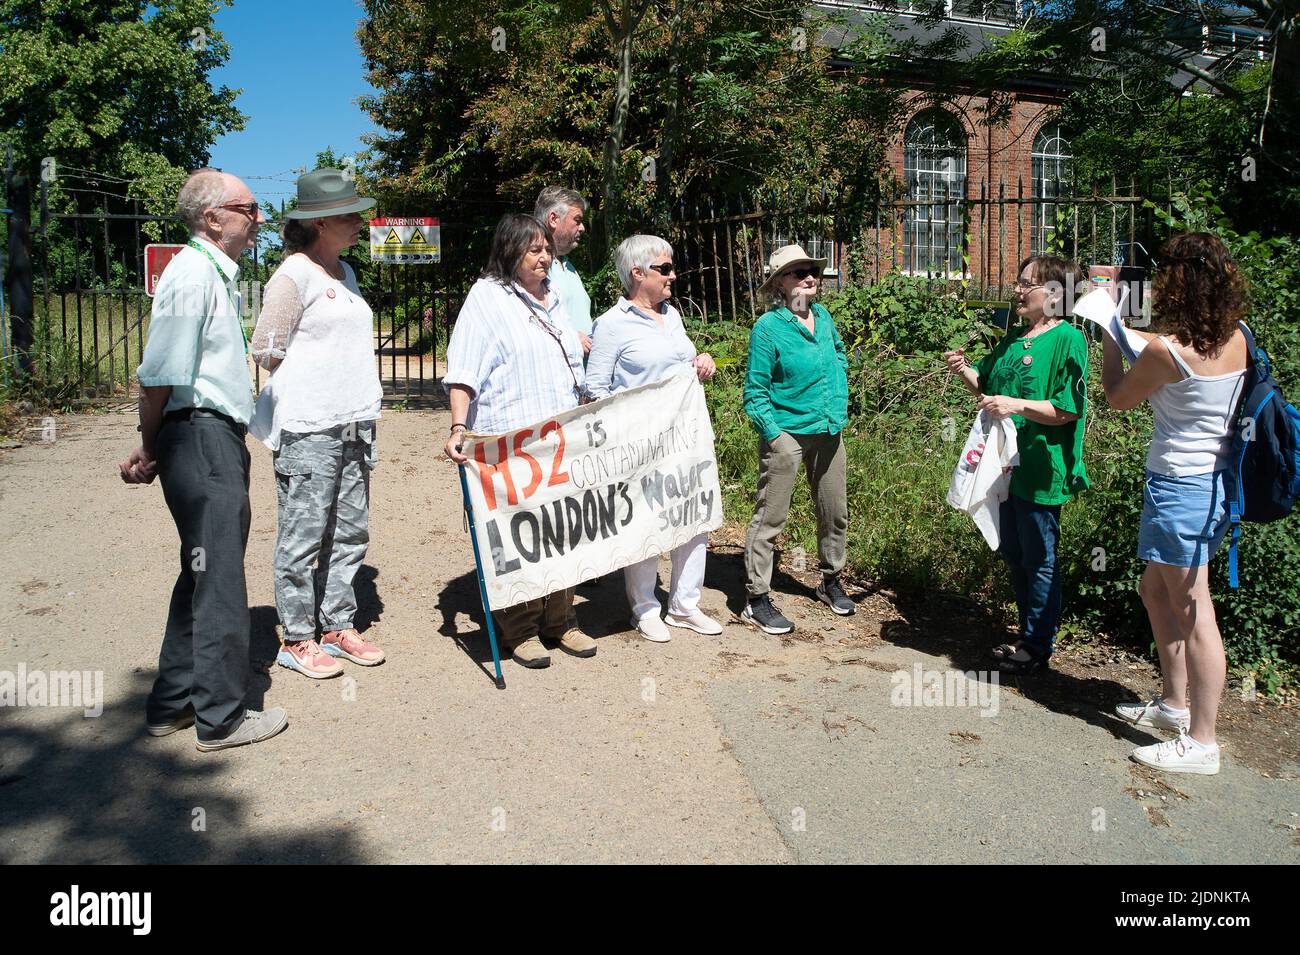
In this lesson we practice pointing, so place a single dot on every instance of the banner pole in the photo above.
(482, 587)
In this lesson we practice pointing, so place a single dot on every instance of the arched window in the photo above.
(934, 168)
(1051, 178)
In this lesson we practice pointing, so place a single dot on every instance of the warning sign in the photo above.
(156, 258)
(407, 241)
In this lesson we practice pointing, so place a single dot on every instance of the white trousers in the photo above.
(684, 589)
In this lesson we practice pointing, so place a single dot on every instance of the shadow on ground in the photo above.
(600, 609)
(965, 631)
(103, 791)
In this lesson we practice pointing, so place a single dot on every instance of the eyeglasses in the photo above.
(1028, 286)
(800, 273)
(250, 209)
(663, 268)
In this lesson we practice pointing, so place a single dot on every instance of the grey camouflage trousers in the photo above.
(323, 492)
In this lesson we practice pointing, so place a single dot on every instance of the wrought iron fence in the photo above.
(92, 308)
(972, 241)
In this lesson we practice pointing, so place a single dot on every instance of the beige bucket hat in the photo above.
(787, 257)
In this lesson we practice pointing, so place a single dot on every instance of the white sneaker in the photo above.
(1180, 755)
(696, 620)
(256, 726)
(652, 628)
(1153, 714)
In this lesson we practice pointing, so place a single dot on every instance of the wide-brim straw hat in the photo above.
(786, 257)
(327, 192)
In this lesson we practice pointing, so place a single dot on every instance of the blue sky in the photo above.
(299, 66)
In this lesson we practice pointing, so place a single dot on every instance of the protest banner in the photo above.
(593, 489)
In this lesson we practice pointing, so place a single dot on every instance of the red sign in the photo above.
(156, 258)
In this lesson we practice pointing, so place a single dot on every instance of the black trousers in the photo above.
(203, 465)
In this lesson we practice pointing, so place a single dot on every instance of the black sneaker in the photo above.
(760, 612)
(832, 595)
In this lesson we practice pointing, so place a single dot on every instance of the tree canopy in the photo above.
(115, 86)
(485, 103)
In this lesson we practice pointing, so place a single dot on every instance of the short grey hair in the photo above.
(203, 190)
(557, 199)
(637, 252)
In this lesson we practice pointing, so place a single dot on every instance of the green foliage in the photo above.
(722, 102)
(120, 86)
(1271, 266)
(908, 418)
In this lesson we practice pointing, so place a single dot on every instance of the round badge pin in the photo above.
(1029, 359)
(329, 293)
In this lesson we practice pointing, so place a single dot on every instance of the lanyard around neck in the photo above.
(544, 323)
(221, 277)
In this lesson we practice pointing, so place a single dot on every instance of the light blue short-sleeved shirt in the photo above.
(196, 344)
(567, 283)
(630, 348)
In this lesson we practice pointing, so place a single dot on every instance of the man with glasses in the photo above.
(561, 211)
(196, 399)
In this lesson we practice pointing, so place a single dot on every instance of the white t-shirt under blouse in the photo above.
(324, 332)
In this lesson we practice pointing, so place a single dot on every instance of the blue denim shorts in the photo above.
(1183, 518)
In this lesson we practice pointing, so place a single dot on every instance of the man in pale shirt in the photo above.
(561, 211)
(195, 403)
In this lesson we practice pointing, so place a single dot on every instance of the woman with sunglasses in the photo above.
(317, 413)
(638, 341)
(514, 360)
(1037, 376)
(797, 396)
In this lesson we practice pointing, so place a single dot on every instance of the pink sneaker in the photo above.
(306, 657)
(349, 645)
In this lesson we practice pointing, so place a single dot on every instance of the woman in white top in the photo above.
(1192, 375)
(315, 333)
(638, 341)
(514, 360)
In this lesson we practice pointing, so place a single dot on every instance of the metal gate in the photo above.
(91, 310)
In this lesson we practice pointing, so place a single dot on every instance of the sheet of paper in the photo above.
(1100, 309)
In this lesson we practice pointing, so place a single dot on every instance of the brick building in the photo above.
(968, 189)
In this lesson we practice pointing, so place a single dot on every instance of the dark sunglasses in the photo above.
(249, 209)
(800, 273)
(665, 268)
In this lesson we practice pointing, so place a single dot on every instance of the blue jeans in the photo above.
(1029, 535)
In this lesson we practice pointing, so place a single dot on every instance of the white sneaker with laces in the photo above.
(696, 620)
(1154, 715)
(653, 628)
(1180, 755)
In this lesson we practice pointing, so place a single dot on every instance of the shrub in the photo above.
(908, 418)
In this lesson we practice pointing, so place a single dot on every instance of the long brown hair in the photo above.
(1198, 295)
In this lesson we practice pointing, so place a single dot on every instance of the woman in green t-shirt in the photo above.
(1037, 376)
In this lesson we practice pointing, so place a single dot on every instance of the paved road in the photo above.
(743, 748)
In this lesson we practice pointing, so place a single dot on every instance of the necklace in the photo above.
(1028, 340)
(324, 268)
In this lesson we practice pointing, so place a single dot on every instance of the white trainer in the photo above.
(696, 620)
(1154, 715)
(1180, 755)
(652, 628)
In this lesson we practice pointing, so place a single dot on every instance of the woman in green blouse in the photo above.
(797, 395)
(1037, 375)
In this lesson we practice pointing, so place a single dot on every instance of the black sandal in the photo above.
(1015, 667)
(1002, 651)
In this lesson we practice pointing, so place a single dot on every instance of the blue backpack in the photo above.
(1263, 479)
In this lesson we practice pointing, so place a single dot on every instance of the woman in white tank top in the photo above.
(1192, 376)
